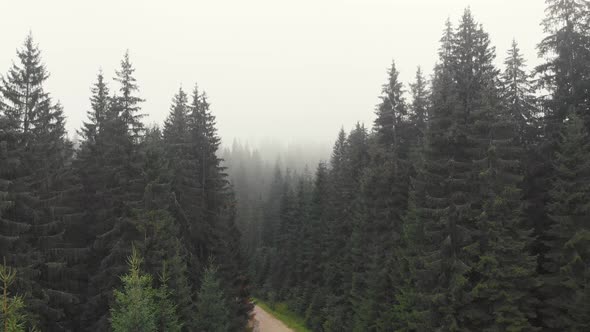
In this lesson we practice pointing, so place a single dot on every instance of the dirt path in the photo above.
(265, 322)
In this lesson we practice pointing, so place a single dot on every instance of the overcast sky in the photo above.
(294, 70)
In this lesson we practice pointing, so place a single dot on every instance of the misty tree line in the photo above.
(133, 230)
(463, 209)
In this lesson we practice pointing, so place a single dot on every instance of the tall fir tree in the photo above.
(135, 307)
(566, 291)
(39, 184)
(112, 190)
(213, 313)
(565, 76)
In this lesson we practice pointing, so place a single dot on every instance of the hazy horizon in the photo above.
(288, 72)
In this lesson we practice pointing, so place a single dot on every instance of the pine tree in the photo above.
(113, 189)
(391, 110)
(39, 184)
(213, 313)
(385, 191)
(408, 313)
(336, 224)
(135, 307)
(271, 210)
(568, 258)
(161, 241)
(180, 153)
(565, 76)
(441, 280)
(418, 113)
(518, 93)
(181, 291)
(565, 73)
(218, 210)
(471, 184)
(167, 317)
(128, 101)
(12, 315)
(313, 250)
(99, 102)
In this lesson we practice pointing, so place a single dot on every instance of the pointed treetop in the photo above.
(446, 43)
(175, 126)
(419, 93)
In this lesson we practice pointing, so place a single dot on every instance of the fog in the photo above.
(274, 70)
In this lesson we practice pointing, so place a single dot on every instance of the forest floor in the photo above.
(265, 322)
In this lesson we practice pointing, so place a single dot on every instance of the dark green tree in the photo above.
(566, 78)
(38, 185)
(112, 191)
(218, 210)
(567, 296)
(128, 102)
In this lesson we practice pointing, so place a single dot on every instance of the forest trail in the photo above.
(265, 322)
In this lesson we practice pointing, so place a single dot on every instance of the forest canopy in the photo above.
(463, 207)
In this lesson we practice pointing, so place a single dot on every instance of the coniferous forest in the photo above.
(465, 206)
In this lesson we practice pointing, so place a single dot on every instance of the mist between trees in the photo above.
(463, 208)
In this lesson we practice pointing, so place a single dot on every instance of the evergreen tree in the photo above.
(180, 290)
(213, 313)
(12, 315)
(39, 184)
(418, 114)
(385, 191)
(218, 210)
(566, 73)
(99, 102)
(565, 76)
(181, 155)
(112, 191)
(474, 237)
(167, 318)
(568, 257)
(135, 307)
(128, 102)
(518, 94)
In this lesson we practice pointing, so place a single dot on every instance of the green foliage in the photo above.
(68, 218)
(212, 311)
(568, 257)
(463, 209)
(38, 189)
(166, 311)
(12, 315)
(135, 307)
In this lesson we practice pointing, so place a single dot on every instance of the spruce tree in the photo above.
(408, 314)
(99, 102)
(135, 307)
(127, 100)
(471, 180)
(566, 73)
(12, 314)
(567, 297)
(218, 210)
(565, 76)
(518, 94)
(213, 314)
(166, 316)
(314, 250)
(420, 100)
(112, 190)
(39, 184)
